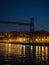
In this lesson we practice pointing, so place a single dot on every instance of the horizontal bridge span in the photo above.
(19, 23)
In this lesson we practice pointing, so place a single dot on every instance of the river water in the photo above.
(16, 54)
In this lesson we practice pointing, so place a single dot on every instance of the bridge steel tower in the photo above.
(31, 28)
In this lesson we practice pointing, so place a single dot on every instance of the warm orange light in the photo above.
(21, 39)
(36, 40)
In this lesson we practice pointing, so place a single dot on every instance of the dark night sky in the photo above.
(22, 10)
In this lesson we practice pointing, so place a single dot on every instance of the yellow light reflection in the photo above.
(37, 50)
(9, 48)
(24, 50)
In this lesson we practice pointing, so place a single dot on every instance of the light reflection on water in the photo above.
(37, 54)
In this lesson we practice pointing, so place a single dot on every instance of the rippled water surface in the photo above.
(16, 54)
